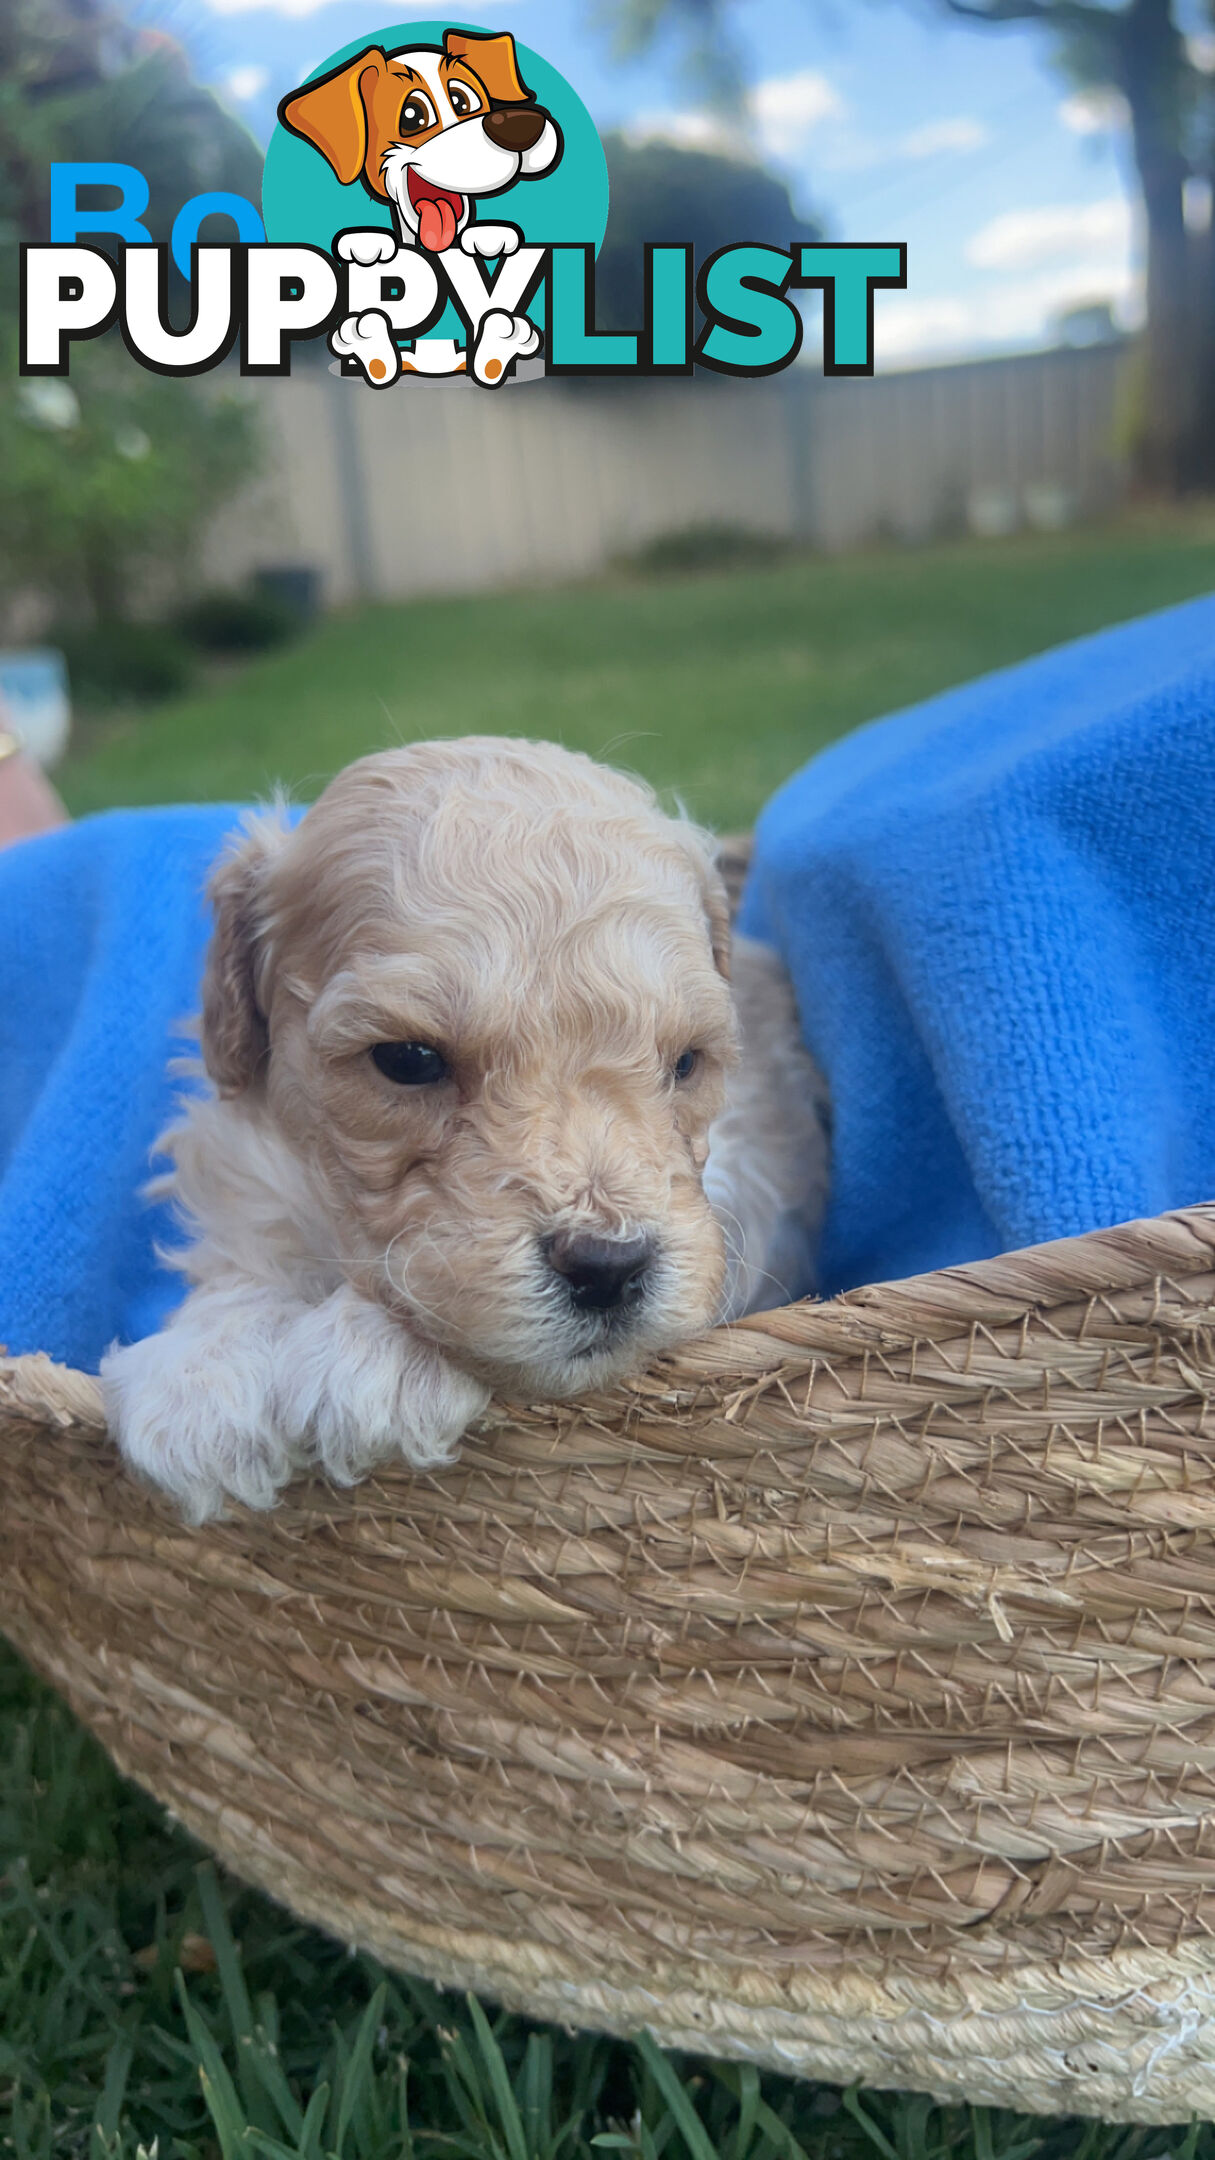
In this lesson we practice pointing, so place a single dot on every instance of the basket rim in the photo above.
(883, 1315)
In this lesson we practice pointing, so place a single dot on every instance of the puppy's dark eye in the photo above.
(416, 113)
(410, 1064)
(685, 1065)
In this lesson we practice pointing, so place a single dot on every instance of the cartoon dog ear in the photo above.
(491, 56)
(331, 113)
(235, 1035)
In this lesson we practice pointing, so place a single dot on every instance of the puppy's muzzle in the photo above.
(515, 130)
(602, 1274)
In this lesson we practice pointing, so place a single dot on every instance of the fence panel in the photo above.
(442, 487)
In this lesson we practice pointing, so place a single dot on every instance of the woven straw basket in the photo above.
(840, 1695)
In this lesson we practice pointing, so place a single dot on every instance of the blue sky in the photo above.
(890, 120)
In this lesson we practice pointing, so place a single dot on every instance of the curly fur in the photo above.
(368, 1261)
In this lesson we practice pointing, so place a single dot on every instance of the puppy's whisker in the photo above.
(633, 735)
(783, 1290)
(735, 1245)
(426, 1244)
(396, 729)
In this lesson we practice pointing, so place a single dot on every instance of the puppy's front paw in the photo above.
(190, 1410)
(373, 246)
(361, 1390)
(490, 240)
(502, 340)
(368, 339)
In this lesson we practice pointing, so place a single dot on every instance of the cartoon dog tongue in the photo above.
(437, 215)
(436, 223)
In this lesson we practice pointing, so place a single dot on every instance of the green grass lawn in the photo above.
(719, 685)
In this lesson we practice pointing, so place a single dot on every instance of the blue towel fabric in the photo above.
(102, 933)
(998, 910)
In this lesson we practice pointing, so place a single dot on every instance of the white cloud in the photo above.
(690, 131)
(1022, 239)
(783, 112)
(780, 114)
(959, 135)
(920, 329)
(1094, 112)
(273, 7)
(1002, 314)
(1025, 308)
(1200, 51)
(310, 7)
(1038, 263)
(243, 83)
(787, 108)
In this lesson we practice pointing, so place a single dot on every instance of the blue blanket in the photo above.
(998, 909)
(102, 934)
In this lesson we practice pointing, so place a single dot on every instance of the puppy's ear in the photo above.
(235, 1037)
(492, 58)
(331, 113)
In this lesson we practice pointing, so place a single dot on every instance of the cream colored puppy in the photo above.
(470, 1040)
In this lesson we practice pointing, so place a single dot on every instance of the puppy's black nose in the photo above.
(601, 1273)
(517, 130)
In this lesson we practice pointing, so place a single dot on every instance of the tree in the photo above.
(110, 476)
(659, 192)
(1138, 49)
(76, 83)
(105, 482)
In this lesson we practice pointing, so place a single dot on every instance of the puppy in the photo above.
(427, 130)
(471, 1048)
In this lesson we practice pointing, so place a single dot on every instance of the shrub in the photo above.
(228, 621)
(708, 547)
(117, 660)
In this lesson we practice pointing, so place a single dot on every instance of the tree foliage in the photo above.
(711, 51)
(104, 483)
(106, 480)
(76, 84)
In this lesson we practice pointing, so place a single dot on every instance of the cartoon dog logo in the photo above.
(429, 130)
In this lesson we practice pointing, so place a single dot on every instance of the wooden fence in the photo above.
(439, 486)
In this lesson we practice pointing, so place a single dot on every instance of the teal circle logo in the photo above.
(323, 169)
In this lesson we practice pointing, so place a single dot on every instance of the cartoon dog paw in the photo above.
(366, 247)
(490, 240)
(503, 339)
(368, 339)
